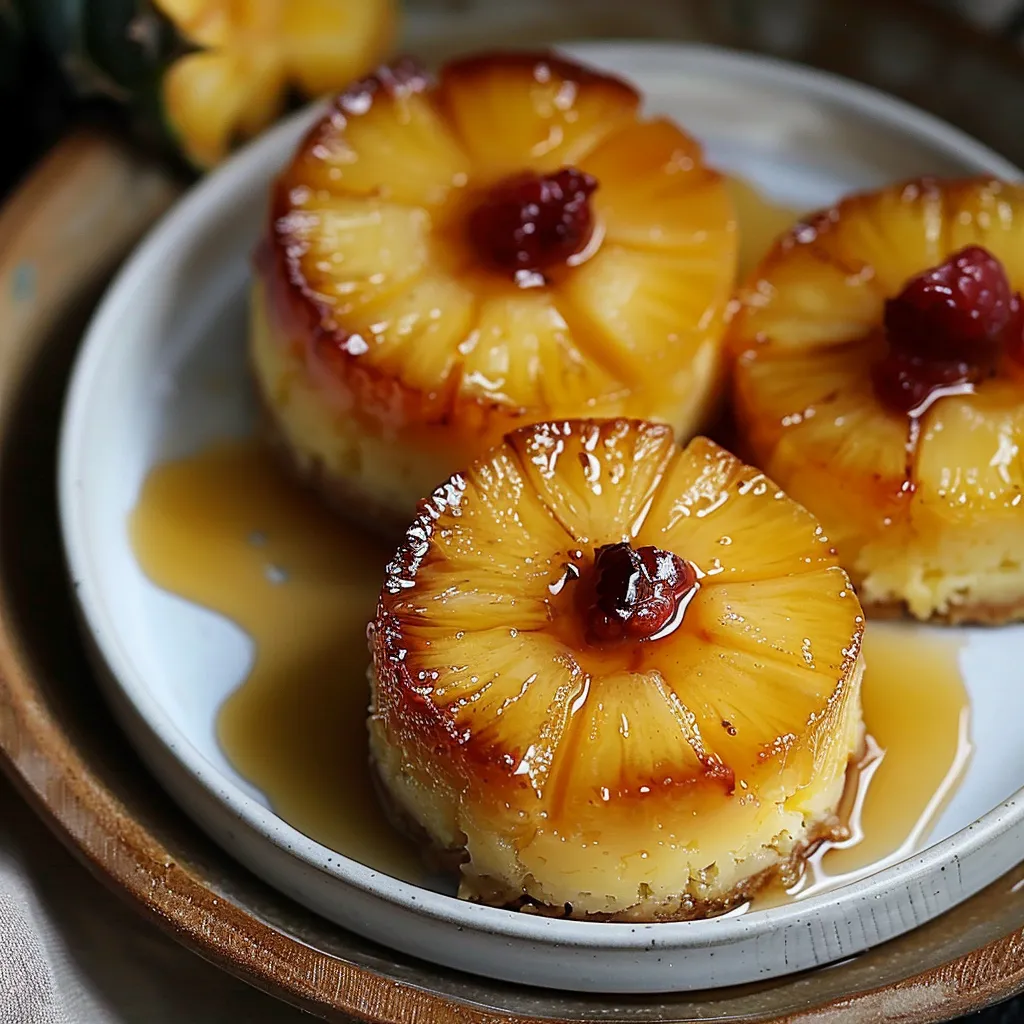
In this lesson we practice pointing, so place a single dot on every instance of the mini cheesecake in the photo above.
(614, 679)
(446, 260)
(879, 377)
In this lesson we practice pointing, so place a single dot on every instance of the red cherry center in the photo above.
(532, 222)
(635, 593)
(948, 328)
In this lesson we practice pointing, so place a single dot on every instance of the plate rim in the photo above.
(131, 685)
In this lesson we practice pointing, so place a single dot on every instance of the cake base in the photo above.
(448, 862)
(340, 495)
(977, 614)
(786, 873)
(362, 473)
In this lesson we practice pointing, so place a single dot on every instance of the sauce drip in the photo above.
(917, 713)
(226, 530)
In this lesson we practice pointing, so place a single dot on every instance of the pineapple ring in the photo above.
(410, 353)
(925, 514)
(664, 778)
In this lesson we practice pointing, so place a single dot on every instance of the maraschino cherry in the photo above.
(947, 327)
(635, 593)
(532, 222)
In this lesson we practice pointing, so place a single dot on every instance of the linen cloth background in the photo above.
(71, 952)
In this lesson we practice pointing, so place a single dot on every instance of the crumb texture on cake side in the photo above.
(878, 357)
(601, 775)
(352, 468)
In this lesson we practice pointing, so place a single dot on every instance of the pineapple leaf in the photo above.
(130, 41)
(11, 43)
(59, 26)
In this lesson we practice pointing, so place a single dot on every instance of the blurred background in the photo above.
(117, 61)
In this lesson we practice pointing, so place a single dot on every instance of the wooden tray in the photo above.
(60, 237)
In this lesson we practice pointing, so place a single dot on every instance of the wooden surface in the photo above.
(60, 236)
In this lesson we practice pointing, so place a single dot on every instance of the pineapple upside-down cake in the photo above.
(879, 378)
(613, 678)
(448, 260)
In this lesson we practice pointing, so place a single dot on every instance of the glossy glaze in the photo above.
(224, 529)
(373, 267)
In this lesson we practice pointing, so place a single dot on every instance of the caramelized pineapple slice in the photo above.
(923, 502)
(623, 677)
(448, 260)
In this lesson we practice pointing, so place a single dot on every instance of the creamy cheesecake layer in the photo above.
(959, 572)
(677, 857)
(365, 474)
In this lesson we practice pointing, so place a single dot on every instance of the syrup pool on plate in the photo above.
(917, 748)
(226, 530)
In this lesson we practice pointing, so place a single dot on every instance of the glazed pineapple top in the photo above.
(881, 342)
(511, 239)
(595, 615)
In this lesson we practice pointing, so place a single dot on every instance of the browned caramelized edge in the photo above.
(393, 686)
(292, 303)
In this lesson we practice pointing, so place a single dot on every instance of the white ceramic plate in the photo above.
(149, 384)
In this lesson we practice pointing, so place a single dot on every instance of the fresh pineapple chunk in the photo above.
(243, 56)
(591, 745)
(924, 505)
(446, 261)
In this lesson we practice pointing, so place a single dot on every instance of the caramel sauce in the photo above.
(226, 530)
(761, 222)
(917, 713)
